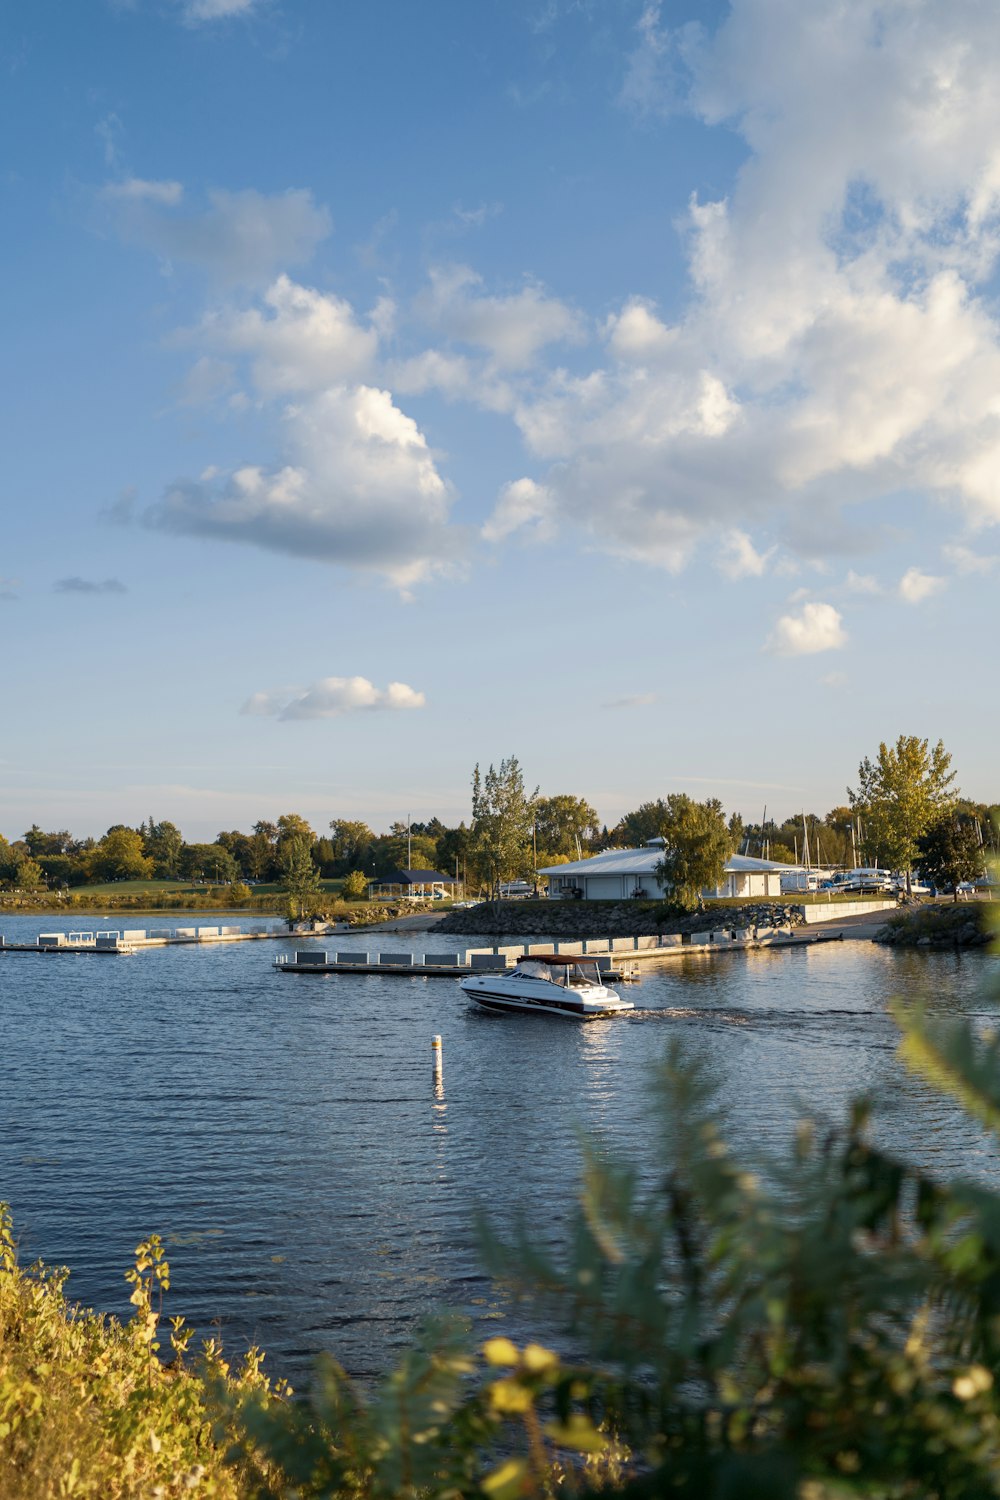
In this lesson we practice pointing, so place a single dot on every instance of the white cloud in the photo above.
(512, 329)
(915, 586)
(239, 237)
(141, 190)
(361, 489)
(654, 73)
(840, 345)
(964, 560)
(216, 10)
(522, 503)
(300, 340)
(817, 627)
(862, 583)
(738, 557)
(331, 697)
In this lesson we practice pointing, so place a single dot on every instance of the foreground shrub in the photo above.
(88, 1408)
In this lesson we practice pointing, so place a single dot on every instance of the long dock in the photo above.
(614, 959)
(132, 940)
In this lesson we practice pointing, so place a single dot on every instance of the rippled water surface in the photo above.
(284, 1136)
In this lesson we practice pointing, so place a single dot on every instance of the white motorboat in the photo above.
(552, 984)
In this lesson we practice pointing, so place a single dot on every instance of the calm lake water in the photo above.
(283, 1135)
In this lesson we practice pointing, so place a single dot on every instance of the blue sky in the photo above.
(389, 388)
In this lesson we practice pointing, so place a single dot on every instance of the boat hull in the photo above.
(497, 997)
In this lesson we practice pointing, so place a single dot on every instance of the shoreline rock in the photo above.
(572, 920)
(965, 924)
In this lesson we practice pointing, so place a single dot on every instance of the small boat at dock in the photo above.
(553, 984)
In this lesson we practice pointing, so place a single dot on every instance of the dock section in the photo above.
(133, 939)
(617, 958)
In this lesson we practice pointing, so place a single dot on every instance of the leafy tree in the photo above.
(637, 828)
(299, 876)
(208, 862)
(40, 843)
(63, 869)
(240, 846)
(452, 851)
(30, 876)
(401, 848)
(162, 843)
(698, 843)
(502, 816)
(355, 886)
(562, 823)
(899, 795)
(950, 852)
(352, 841)
(119, 856)
(260, 855)
(292, 826)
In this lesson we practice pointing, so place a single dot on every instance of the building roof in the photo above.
(417, 877)
(644, 861)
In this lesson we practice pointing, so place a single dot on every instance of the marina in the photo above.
(313, 1175)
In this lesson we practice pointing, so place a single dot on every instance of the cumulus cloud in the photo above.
(361, 489)
(739, 558)
(839, 344)
(862, 583)
(520, 504)
(297, 340)
(915, 586)
(816, 627)
(331, 697)
(512, 329)
(238, 237)
(89, 586)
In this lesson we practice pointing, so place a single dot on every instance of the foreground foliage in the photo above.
(88, 1408)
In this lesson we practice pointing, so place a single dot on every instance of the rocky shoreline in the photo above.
(965, 924)
(572, 920)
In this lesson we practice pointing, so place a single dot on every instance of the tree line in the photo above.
(904, 813)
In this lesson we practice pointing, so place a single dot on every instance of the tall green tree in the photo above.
(645, 822)
(698, 843)
(502, 818)
(906, 788)
(299, 876)
(208, 862)
(949, 852)
(352, 841)
(119, 856)
(162, 843)
(564, 825)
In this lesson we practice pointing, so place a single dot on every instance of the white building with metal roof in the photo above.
(621, 873)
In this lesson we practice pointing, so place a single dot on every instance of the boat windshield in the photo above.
(577, 975)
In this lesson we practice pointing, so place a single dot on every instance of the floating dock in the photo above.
(131, 940)
(617, 959)
(429, 966)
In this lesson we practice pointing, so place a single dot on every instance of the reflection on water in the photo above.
(316, 1181)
